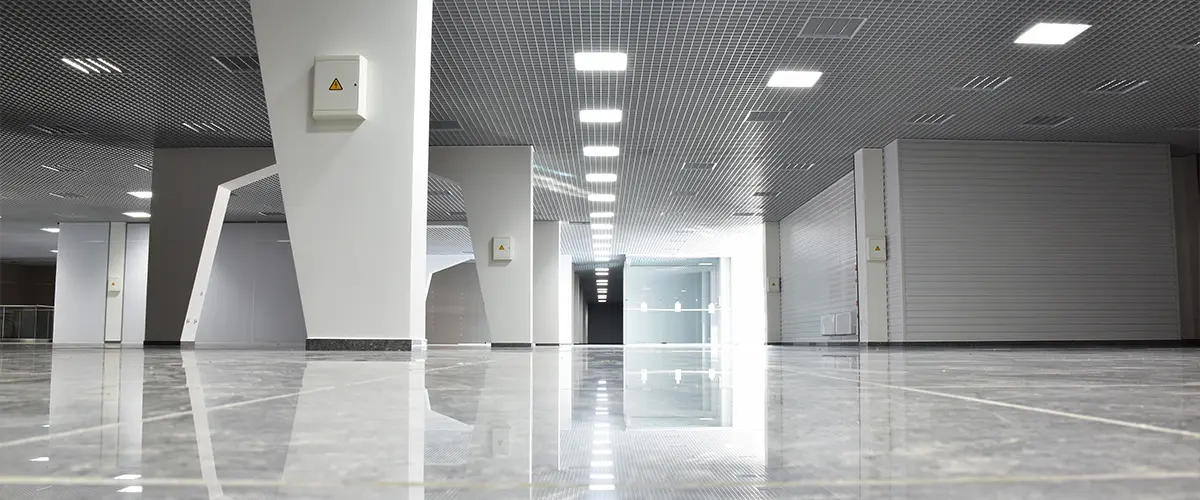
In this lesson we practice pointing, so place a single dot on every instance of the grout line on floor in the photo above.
(1046, 411)
(226, 406)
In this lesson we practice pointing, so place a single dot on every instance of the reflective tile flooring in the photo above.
(635, 423)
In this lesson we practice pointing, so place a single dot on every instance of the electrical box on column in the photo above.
(339, 91)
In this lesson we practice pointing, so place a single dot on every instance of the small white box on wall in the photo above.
(502, 248)
(115, 283)
(339, 91)
(876, 249)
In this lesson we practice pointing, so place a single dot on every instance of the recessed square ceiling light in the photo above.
(601, 268)
(706, 263)
(797, 79)
(601, 61)
(51, 229)
(601, 273)
(601, 282)
(1051, 33)
(602, 198)
(602, 290)
(600, 115)
(54, 251)
(603, 215)
(601, 151)
(602, 245)
(602, 297)
(601, 177)
(605, 301)
(145, 195)
(601, 226)
(601, 236)
(137, 215)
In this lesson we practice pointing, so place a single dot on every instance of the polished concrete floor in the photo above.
(633, 423)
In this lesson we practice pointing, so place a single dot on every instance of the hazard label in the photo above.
(336, 85)
(501, 248)
(876, 249)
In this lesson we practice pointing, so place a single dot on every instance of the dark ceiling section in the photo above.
(502, 69)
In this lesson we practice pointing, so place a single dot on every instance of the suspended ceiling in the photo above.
(503, 69)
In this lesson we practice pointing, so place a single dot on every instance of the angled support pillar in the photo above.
(191, 188)
(497, 185)
(355, 190)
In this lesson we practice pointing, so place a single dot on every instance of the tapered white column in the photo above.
(872, 274)
(497, 186)
(354, 191)
(546, 282)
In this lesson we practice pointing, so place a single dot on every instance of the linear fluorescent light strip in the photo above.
(600, 115)
(602, 198)
(602, 245)
(145, 195)
(601, 151)
(601, 61)
(603, 215)
(794, 79)
(1051, 33)
(601, 226)
(601, 177)
(137, 215)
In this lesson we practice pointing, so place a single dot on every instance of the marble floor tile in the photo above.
(600, 423)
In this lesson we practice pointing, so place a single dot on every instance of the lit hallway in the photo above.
(634, 422)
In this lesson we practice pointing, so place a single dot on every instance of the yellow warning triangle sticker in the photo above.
(501, 247)
(876, 249)
(336, 85)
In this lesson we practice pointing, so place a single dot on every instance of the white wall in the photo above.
(1031, 241)
(454, 311)
(817, 260)
(137, 254)
(80, 283)
(253, 297)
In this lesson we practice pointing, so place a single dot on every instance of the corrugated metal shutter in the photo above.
(1036, 241)
(818, 257)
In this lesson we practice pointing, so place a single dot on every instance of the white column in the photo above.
(435, 263)
(774, 302)
(355, 192)
(872, 275)
(546, 282)
(80, 283)
(497, 186)
(566, 305)
(114, 304)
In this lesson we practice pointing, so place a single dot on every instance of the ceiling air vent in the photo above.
(929, 119)
(692, 165)
(767, 116)
(1046, 121)
(444, 125)
(831, 27)
(981, 82)
(238, 64)
(204, 127)
(271, 214)
(1118, 86)
(57, 129)
(67, 196)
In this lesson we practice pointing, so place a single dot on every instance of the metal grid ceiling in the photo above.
(697, 68)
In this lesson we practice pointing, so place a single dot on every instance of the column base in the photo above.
(365, 345)
(511, 345)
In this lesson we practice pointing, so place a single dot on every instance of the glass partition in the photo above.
(674, 301)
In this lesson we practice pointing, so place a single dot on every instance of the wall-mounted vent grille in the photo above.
(767, 116)
(1118, 86)
(930, 119)
(205, 127)
(1046, 121)
(981, 82)
(444, 125)
(57, 129)
(693, 165)
(271, 214)
(238, 64)
(831, 27)
(67, 196)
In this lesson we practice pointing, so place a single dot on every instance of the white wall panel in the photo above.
(80, 283)
(1036, 241)
(253, 297)
(817, 259)
(454, 311)
(137, 260)
(893, 220)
